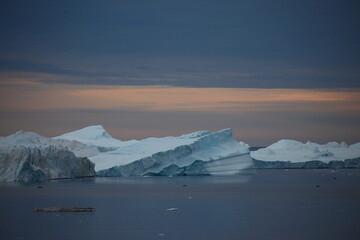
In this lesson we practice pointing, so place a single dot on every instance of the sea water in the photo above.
(272, 204)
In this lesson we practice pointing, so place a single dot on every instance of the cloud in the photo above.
(128, 70)
(243, 44)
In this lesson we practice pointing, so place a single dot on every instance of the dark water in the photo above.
(273, 204)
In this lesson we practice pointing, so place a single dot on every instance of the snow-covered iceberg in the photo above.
(294, 154)
(214, 153)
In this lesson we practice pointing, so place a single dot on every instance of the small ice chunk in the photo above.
(172, 209)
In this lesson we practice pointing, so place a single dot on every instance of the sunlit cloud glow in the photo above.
(163, 98)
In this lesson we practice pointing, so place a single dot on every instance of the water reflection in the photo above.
(176, 180)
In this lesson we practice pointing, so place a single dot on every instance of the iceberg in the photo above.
(29, 157)
(294, 154)
(198, 153)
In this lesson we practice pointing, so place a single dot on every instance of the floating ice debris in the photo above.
(172, 209)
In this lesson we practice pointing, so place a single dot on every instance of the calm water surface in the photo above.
(272, 204)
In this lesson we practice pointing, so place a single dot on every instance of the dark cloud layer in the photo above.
(282, 44)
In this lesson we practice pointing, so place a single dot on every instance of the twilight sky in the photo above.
(267, 69)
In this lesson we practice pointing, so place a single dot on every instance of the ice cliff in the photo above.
(28, 157)
(295, 154)
(27, 165)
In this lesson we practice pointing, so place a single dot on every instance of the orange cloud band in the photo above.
(163, 98)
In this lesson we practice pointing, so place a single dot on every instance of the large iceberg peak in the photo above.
(95, 136)
(89, 133)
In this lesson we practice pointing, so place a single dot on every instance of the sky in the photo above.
(267, 69)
